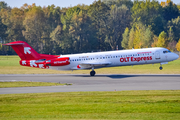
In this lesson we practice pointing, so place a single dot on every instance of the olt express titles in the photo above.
(133, 59)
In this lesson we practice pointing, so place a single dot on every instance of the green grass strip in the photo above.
(126, 105)
(27, 84)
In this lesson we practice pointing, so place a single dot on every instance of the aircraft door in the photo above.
(157, 55)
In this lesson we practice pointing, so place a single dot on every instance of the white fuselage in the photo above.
(117, 58)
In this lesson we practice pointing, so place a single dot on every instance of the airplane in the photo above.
(29, 57)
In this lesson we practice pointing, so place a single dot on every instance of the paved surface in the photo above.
(96, 83)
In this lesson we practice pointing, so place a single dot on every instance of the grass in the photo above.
(126, 105)
(10, 65)
(27, 84)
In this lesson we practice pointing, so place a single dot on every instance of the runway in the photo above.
(96, 83)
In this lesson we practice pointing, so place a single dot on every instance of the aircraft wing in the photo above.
(96, 63)
(87, 65)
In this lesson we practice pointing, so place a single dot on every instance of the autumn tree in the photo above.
(162, 40)
(81, 32)
(84, 28)
(172, 45)
(52, 14)
(170, 11)
(178, 45)
(178, 6)
(119, 3)
(3, 35)
(16, 27)
(118, 20)
(174, 24)
(131, 38)
(99, 12)
(52, 21)
(170, 34)
(155, 41)
(125, 40)
(35, 24)
(3, 5)
(56, 38)
(68, 41)
(149, 13)
(140, 36)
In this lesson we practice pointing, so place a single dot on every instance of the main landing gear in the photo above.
(92, 73)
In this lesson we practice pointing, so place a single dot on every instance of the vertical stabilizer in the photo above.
(24, 50)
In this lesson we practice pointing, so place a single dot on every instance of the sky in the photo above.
(60, 3)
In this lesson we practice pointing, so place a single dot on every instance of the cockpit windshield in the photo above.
(167, 51)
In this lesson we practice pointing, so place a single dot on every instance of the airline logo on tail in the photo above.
(27, 50)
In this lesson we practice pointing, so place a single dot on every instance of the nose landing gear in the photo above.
(161, 67)
(162, 64)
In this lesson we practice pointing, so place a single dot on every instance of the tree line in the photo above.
(101, 26)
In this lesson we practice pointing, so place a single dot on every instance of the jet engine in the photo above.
(43, 63)
(58, 62)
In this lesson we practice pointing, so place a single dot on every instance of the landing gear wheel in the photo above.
(160, 67)
(92, 73)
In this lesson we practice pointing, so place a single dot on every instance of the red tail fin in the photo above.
(24, 50)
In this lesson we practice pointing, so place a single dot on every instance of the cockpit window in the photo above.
(166, 51)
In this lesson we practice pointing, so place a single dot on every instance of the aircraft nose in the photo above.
(176, 56)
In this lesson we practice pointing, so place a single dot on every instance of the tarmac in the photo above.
(111, 82)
